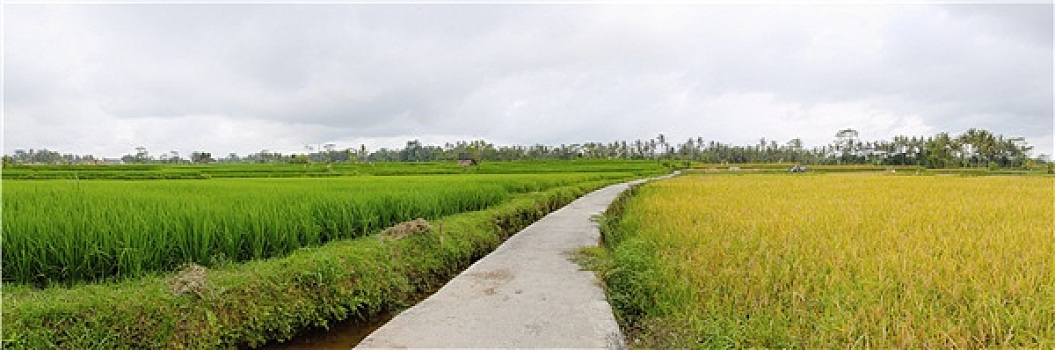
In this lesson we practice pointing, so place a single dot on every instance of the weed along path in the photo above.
(528, 293)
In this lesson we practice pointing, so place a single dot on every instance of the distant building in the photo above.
(466, 161)
(109, 161)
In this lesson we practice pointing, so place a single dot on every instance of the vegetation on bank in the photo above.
(833, 260)
(249, 304)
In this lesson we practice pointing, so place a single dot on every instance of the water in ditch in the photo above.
(343, 335)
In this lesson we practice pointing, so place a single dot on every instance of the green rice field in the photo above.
(73, 231)
(73, 224)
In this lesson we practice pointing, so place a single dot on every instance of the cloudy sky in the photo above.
(103, 79)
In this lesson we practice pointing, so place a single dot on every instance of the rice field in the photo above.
(67, 231)
(278, 170)
(838, 260)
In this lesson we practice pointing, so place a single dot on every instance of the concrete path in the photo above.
(526, 294)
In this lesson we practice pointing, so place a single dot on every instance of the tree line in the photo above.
(971, 149)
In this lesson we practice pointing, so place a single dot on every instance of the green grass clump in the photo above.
(64, 231)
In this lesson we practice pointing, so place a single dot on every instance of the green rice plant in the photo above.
(65, 231)
(246, 305)
(242, 170)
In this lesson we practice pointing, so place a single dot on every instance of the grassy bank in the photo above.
(838, 260)
(249, 304)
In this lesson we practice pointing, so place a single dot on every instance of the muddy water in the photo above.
(346, 334)
(343, 335)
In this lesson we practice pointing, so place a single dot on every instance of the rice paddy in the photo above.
(848, 260)
(65, 231)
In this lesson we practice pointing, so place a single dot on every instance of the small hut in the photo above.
(467, 161)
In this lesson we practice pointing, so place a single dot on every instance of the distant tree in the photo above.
(846, 143)
(973, 148)
(941, 151)
(299, 159)
(174, 157)
(347, 155)
(413, 152)
(201, 157)
(142, 155)
(661, 141)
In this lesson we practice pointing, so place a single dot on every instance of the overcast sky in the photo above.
(103, 79)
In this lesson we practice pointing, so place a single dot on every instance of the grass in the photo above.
(836, 260)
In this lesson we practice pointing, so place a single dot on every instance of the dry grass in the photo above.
(192, 279)
(404, 229)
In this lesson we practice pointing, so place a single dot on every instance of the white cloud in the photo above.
(105, 78)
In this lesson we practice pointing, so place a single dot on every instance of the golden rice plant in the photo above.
(837, 260)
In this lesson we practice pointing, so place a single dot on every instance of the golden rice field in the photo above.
(837, 260)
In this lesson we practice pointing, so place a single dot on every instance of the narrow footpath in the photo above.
(528, 293)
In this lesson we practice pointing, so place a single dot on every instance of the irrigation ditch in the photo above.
(342, 335)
